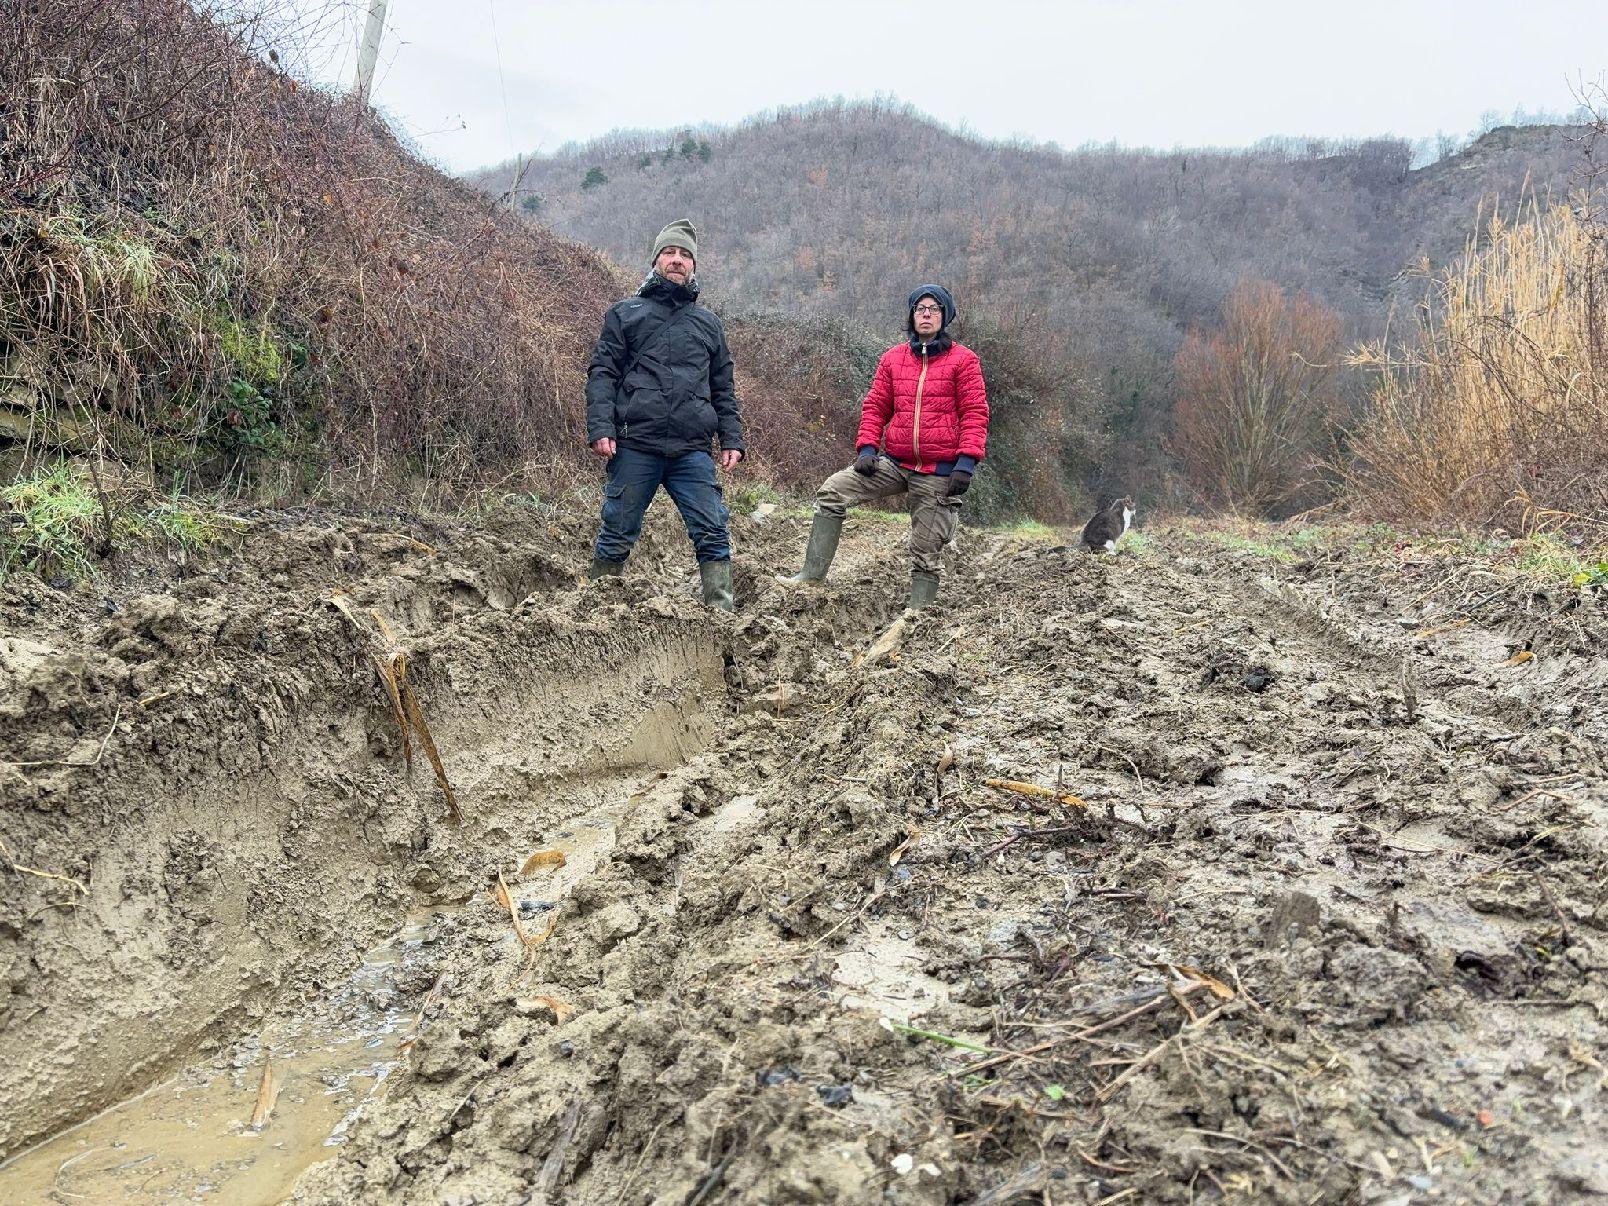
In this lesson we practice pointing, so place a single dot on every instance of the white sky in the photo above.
(474, 81)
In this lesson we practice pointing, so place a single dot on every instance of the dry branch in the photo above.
(1033, 789)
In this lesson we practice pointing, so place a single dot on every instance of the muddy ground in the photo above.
(1314, 910)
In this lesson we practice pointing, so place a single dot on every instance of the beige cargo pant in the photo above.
(934, 516)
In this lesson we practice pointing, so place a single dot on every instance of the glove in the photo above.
(959, 482)
(866, 463)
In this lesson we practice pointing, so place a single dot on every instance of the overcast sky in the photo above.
(474, 81)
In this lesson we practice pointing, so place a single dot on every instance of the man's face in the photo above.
(929, 317)
(674, 264)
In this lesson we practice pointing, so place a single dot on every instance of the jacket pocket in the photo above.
(634, 406)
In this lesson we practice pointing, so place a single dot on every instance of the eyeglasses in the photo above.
(929, 309)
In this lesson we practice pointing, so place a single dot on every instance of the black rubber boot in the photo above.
(716, 578)
(602, 567)
(825, 533)
(923, 588)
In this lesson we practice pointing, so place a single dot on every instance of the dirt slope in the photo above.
(1326, 926)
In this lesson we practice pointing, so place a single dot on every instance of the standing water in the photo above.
(192, 1137)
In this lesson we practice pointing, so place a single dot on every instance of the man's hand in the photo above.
(866, 463)
(959, 482)
(727, 458)
(603, 449)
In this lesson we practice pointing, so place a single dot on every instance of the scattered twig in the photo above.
(1156, 1052)
(22, 870)
(553, 1166)
(1563, 923)
(714, 1176)
(1033, 789)
(95, 761)
(267, 1095)
(1088, 1032)
(1029, 834)
(1251, 1143)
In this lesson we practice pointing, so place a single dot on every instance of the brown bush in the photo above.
(1497, 410)
(206, 265)
(1255, 399)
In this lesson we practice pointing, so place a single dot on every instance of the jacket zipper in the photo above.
(921, 383)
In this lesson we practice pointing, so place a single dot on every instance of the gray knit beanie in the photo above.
(678, 234)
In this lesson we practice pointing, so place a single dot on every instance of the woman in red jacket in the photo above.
(923, 429)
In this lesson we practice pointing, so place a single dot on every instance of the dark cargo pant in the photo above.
(934, 516)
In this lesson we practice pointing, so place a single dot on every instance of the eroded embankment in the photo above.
(214, 780)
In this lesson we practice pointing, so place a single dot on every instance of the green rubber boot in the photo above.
(716, 579)
(602, 567)
(923, 588)
(825, 532)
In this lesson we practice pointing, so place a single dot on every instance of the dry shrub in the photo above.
(801, 382)
(205, 265)
(1499, 410)
(1255, 399)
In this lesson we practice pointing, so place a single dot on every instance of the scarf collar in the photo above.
(936, 346)
(660, 289)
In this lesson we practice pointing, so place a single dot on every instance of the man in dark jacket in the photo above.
(658, 392)
(923, 430)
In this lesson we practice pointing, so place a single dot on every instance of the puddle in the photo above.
(883, 972)
(189, 1138)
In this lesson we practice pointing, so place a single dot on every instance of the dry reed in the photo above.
(1497, 410)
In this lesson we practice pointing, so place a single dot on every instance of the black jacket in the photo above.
(661, 377)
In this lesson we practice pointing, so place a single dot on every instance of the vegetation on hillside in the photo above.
(213, 270)
(1496, 410)
(1090, 269)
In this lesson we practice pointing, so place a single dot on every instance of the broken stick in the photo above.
(1033, 789)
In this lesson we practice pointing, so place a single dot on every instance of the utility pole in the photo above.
(370, 50)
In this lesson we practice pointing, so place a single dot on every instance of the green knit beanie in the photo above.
(678, 234)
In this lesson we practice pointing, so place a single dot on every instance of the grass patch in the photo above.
(1546, 558)
(53, 522)
(1027, 529)
(1138, 544)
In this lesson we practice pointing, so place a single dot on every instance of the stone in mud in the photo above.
(1585, 1173)
(836, 1096)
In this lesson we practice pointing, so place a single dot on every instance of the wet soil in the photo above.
(1308, 905)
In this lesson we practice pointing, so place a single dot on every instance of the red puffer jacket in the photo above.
(923, 410)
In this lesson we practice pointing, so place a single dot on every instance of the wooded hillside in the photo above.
(1090, 265)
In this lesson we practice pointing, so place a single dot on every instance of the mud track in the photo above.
(1322, 920)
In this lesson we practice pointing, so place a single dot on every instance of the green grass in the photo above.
(53, 520)
(1028, 529)
(1546, 558)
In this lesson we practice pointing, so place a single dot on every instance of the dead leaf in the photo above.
(267, 1096)
(1213, 985)
(1519, 658)
(899, 850)
(542, 858)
